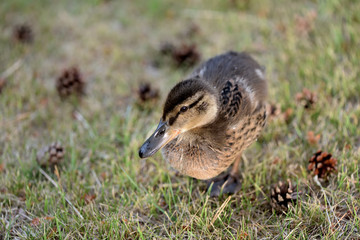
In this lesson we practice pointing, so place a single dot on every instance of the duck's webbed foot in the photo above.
(225, 183)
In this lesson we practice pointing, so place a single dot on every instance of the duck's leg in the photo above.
(235, 168)
(226, 183)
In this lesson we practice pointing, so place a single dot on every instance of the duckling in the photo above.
(210, 118)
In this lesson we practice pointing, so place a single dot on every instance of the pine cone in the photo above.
(322, 164)
(312, 138)
(186, 55)
(70, 82)
(305, 24)
(51, 155)
(23, 33)
(273, 110)
(307, 98)
(282, 195)
(146, 92)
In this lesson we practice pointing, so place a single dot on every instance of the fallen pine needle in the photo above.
(57, 186)
(13, 68)
(220, 210)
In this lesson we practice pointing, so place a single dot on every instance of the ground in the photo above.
(103, 190)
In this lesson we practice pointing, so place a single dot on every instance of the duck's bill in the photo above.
(162, 136)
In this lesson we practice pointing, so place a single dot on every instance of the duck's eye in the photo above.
(183, 109)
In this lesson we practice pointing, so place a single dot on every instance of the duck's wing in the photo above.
(238, 78)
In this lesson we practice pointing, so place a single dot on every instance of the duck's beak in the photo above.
(162, 135)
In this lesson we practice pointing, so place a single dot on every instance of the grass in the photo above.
(113, 44)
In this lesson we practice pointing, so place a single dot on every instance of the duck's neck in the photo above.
(211, 134)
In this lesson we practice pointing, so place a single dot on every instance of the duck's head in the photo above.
(190, 104)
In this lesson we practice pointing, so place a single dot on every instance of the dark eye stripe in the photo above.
(196, 102)
(173, 119)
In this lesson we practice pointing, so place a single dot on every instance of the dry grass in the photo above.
(103, 190)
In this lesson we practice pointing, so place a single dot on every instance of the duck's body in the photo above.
(211, 117)
(207, 151)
